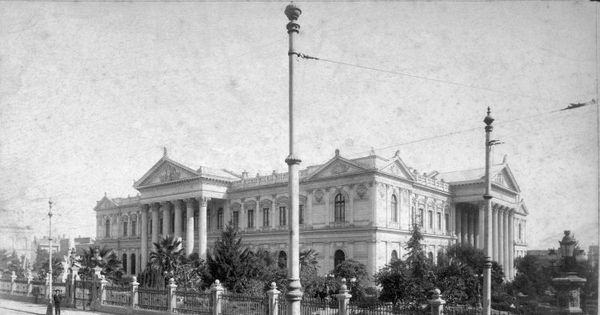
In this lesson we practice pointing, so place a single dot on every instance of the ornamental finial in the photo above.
(292, 11)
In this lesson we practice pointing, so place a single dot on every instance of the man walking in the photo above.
(57, 298)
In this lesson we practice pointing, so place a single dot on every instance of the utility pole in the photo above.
(487, 271)
(294, 293)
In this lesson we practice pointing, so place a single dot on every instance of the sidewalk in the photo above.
(10, 307)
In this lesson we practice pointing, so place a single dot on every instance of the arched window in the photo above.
(340, 208)
(282, 259)
(394, 255)
(338, 258)
(133, 264)
(394, 208)
(220, 219)
(125, 263)
(125, 224)
(134, 227)
(107, 232)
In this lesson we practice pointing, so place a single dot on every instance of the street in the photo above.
(10, 307)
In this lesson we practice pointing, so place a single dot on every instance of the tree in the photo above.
(349, 269)
(392, 279)
(229, 261)
(105, 258)
(167, 256)
(418, 285)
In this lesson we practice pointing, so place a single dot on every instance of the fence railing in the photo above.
(234, 304)
(119, 296)
(193, 302)
(153, 299)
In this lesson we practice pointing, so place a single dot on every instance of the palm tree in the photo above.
(105, 258)
(167, 256)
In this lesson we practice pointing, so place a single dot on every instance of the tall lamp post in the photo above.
(49, 309)
(294, 293)
(487, 270)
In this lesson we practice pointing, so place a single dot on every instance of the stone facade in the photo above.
(359, 209)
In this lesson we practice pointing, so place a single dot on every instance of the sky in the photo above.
(91, 92)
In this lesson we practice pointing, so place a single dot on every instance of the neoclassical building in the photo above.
(359, 209)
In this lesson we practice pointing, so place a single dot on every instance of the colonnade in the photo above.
(177, 206)
(470, 230)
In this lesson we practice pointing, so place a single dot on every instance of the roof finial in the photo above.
(337, 152)
(164, 151)
(372, 153)
(397, 154)
(505, 159)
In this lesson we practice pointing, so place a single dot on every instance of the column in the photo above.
(351, 196)
(464, 231)
(511, 244)
(242, 221)
(189, 230)
(166, 212)
(495, 232)
(458, 219)
(481, 227)
(144, 255)
(155, 222)
(505, 241)
(272, 212)
(178, 218)
(202, 231)
(330, 213)
(501, 236)
(309, 207)
(471, 230)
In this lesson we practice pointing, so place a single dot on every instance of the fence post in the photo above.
(343, 298)
(13, 285)
(172, 295)
(216, 291)
(103, 284)
(134, 295)
(29, 284)
(72, 293)
(437, 304)
(273, 299)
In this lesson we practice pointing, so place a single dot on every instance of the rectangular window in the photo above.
(236, 219)
(220, 219)
(134, 227)
(430, 219)
(125, 228)
(160, 226)
(184, 220)
(195, 221)
(420, 218)
(208, 227)
(266, 216)
(282, 216)
(439, 221)
(251, 218)
(301, 214)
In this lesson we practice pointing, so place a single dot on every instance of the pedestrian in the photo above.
(36, 292)
(57, 299)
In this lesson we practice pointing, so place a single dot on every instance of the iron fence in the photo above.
(119, 296)
(193, 302)
(83, 293)
(385, 309)
(235, 304)
(153, 299)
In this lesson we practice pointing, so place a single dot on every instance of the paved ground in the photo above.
(10, 307)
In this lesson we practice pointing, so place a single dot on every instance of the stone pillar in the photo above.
(464, 232)
(202, 231)
(178, 218)
(13, 284)
(144, 254)
(437, 304)
(216, 290)
(511, 245)
(155, 222)
(471, 231)
(505, 243)
(458, 219)
(172, 299)
(189, 231)
(343, 298)
(273, 299)
(166, 213)
(495, 232)
(501, 237)
(134, 295)
(103, 284)
(29, 284)
(481, 225)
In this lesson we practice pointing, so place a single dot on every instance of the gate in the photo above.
(83, 294)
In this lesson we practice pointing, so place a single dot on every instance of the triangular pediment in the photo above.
(337, 166)
(505, 178)
(397, 168)
(105, 203)
(165, 170)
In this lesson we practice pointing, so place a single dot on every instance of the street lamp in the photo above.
(568, 284)
(487, 270)
(49, 309)
(294, 287)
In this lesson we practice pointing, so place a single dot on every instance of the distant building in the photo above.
(593, 255)
(360, 209)
(18, 239)
(80, 243)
